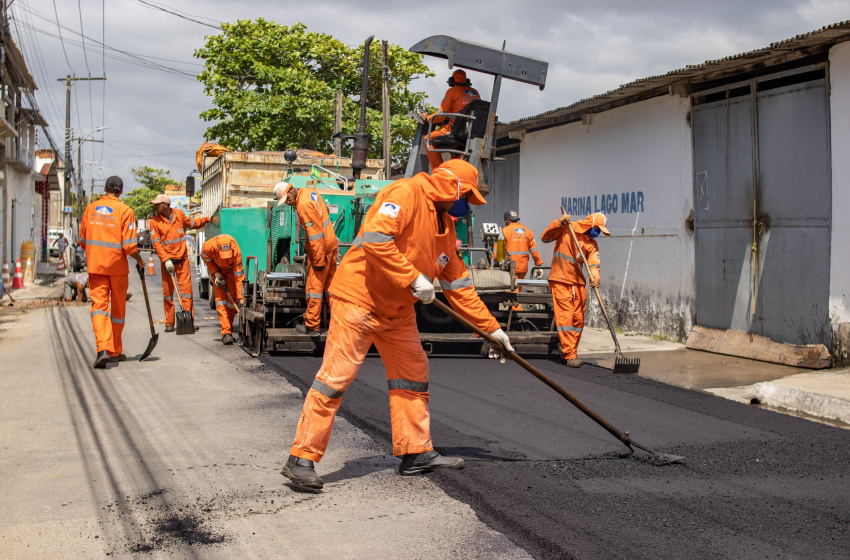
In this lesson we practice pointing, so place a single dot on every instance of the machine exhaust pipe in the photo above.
(361, 139)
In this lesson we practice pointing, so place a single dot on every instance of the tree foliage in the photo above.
(273, 87)
(153, 181)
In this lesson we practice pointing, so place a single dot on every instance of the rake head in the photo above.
(626, 365)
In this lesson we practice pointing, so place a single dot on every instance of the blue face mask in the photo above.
(593, 232)
(459, 209)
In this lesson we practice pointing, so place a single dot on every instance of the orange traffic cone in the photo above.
(18, 280)
(5, 275)
(151, 271)
(60, 268)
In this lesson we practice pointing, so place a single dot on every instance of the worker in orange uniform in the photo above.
(168, 236)
(108, 235)
(321, 245)
(223, 258)
(458, 96)
(519, 241)
(407, 240)
(566, 279)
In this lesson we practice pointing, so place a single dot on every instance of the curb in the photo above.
(813, 404)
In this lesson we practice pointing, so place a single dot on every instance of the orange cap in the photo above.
(459, 76)
(597, 219)
(467, 177)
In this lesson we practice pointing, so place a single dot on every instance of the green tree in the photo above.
(273, 87)
(153, 181)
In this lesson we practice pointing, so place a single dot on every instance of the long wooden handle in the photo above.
(623, 437)
(569, 225)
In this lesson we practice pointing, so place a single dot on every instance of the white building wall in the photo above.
(640, 153)
(22, 192)
(839, 279)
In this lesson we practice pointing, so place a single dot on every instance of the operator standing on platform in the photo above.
(223, 258)
(168, 236)
(519, 241)
(320, 242)
(108, 234)
(458, 96)
(407, 240)
(566, 279)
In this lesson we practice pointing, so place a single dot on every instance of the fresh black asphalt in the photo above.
(755, 484)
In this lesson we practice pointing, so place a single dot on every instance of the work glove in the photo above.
(220, 281)
(423, 289)
(594, 276)
(537, 274)
(564, 219)
(169, 266)
(503, 339)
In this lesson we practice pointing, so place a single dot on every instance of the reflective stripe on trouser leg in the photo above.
(351, 332)
(184, 279)
(407, 380)
(108, 295)
(226, 311)
(167, 295)
(569, 315)
(317, 284)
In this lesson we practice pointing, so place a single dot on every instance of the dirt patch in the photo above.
(47, 302)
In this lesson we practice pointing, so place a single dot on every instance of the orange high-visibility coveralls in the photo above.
(567, 280)
(519, 241)
(108, 234)
(456, 98)
(221, 254)
(321, 245)
(168, 237)
(371, 302)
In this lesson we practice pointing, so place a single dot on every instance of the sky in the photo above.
(151, 101)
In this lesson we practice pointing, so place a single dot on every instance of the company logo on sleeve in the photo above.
(442, 260)
(314, 196)
(132, 226)
(389, 209)
(104, 210)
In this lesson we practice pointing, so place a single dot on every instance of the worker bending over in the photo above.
(108, 234)
(519, 241)
(407, 240)
(223, 258)
(458, 96)
(76, 287)
(168, 236)
(566, 279)
(320, 243)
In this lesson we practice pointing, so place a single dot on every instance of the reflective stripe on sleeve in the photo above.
(168, 298)
(173, 241)
(358, 241)
(316, 236)
(155, 240)
(516, 252)
(314, 296)
(376, 237)
(327, 223)
(407, 385)
(457, 284)
(107, 244)
(564, 256)
(220, 303)
(130, 241)
(569, 329)
(327, 391)
(240, 273)
(593, 265)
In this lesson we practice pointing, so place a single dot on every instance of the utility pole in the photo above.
(66, 193)
(385, 102)
(338, 123)
(80, 175)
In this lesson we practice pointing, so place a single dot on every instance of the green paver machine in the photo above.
(275, 270)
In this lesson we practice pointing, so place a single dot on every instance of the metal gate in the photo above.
(762, 197)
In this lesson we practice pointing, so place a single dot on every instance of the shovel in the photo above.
(183, 319)
(621, 363)
(154, 335)
(624, 437)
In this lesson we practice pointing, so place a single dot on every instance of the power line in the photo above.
(55, 11)
(176, 14)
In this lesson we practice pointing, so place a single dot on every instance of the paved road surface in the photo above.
(756, 484)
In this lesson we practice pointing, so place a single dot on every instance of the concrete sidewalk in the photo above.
(822, 395)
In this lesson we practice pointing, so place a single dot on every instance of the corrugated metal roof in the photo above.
(631, 92)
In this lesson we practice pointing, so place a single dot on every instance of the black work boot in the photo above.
(301, 472)
(169, 328)
(227, 339)
(118, 358)
(101, 360)
(418, 463)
